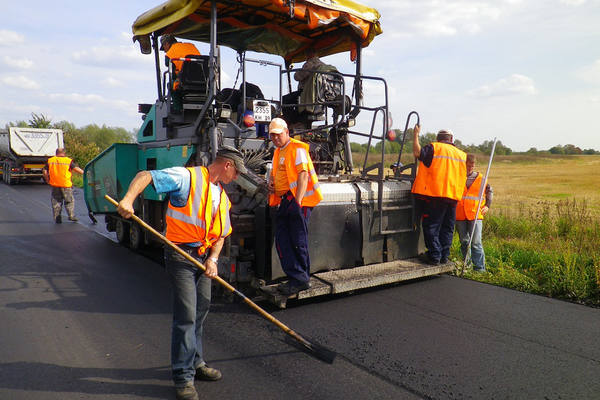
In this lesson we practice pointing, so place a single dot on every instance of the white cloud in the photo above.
(590, 73)
(8, 38)
(515, 84)
(437, 18)
(112, 82)
(109, 56)
(12, 108)
(18, 63)
(76, 98)
(89, 101)
(21, 82)
(573, 2)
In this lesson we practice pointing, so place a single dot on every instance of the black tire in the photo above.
(110, 223)
(136, 236)
(9, 178)
(122, 230)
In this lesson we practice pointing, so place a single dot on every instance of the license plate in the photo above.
(262, 111)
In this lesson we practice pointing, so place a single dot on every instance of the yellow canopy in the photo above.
(327, 26)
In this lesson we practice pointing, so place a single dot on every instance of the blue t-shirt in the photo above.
(175, 181)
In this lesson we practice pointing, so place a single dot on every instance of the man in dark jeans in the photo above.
(439, 185)
(197, 220)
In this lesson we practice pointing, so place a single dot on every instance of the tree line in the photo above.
(393, 146)
(82, 144)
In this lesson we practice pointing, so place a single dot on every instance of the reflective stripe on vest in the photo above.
(446, 176)
(465, 209)
(188, 224)
(58, 170)
(313, 194)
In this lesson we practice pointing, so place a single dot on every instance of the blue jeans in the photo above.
(291, 239)
(191, 301)
(464, 229)
(439, 216)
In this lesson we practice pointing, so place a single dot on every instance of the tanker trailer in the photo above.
(25, 151)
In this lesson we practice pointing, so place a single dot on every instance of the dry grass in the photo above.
(543, 180)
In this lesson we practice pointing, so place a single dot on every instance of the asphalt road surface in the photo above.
(84, 318)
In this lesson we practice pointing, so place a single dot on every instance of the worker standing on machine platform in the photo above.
(57, 173)
(294, 187)
(439, 185)
(198, 222)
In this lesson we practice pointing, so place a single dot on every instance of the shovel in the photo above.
(314, 349)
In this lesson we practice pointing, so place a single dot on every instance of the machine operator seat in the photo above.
(193, 79)
(324, 86)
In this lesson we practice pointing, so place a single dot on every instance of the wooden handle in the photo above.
(198, 264)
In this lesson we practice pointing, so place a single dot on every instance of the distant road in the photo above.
(84, 318)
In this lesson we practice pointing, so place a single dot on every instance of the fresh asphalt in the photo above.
(82, 317)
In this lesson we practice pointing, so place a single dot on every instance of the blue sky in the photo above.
(526, 72)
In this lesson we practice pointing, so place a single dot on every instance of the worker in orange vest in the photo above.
(57, 173)
(438, 186)
(465, 215)
(198, 221)
(174, 50)
(294, 188)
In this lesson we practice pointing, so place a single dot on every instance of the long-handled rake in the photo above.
(316, 350)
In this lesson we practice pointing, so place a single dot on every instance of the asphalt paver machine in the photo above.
(364, 233)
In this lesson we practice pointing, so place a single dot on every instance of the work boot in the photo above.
(206, 373)
(58, 219)
(187, 392)
(428, 260)
(73, 218)
(289, 289)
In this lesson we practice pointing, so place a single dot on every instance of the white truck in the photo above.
(24, 151)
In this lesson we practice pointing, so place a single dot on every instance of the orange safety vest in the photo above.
(60, 174)
(313, 194)
(181, 50)
(465, 209)
(446, 176)
(195, 222)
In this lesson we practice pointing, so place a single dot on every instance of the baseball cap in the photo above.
(166, 39)
(446, 134)
(233, 154)
(277, 126)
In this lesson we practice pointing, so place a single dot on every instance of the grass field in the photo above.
(541, 181)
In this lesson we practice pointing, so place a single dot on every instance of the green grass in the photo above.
(551, 249)
(77, 180)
